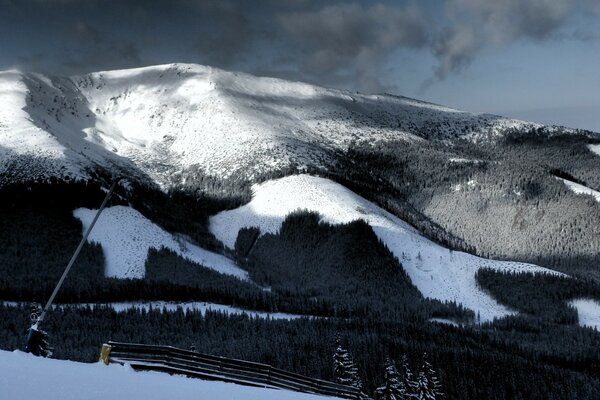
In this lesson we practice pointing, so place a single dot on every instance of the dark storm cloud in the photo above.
(349, 44)
(349, 39)
(99, 51)
(224, 32)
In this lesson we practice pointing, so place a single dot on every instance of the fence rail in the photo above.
(204, 366)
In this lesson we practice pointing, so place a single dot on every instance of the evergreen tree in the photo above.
(407, 378)
(428, 386)
(345, 370)
(394, 388)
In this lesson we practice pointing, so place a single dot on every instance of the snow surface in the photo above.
(24, 376)
(588, 312)
(580, 189)
(126, 236)
(444, 321)
(594, 148)
(157, 122)
(437, 272)
(198, 306)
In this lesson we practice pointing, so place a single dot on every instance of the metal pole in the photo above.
(74, 257)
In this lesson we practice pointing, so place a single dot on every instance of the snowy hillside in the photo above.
(23, 376)
(155, 123)
(580, 189)
(126, 236)
(437, 272)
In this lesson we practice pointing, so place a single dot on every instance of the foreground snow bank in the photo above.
(126, 236)
(588, 312)
(437, 272)
(23, 376)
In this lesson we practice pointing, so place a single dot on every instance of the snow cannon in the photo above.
(37, 342)
(37, 339)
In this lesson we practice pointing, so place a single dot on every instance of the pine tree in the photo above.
(428, 386)
(407, 378)
(345, 370)
(394, 388)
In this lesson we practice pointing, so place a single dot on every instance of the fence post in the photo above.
(105, 353)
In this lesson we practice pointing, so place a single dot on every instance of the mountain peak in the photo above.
(161, 121)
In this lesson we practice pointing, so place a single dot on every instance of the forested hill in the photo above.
(475, 182)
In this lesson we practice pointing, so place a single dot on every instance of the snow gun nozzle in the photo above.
(37, 342)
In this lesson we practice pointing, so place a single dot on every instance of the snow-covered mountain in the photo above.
(158, 122)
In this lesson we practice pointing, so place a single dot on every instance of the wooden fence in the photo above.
(190, 363)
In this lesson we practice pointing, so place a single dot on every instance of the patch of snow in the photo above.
(24, 376)
(126, 236)
(588, 312)
(444, 321)
(437, 272)
(463, 161)
(197, 306)
(594, 148)
(580, 189)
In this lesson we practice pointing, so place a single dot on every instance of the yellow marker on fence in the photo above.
(105, 353)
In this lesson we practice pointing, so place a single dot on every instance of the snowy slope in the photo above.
(588, 312)
(126, 236)
(594, 148)
(580, 189)
(23, 376)
(155, 123)
(436, 271)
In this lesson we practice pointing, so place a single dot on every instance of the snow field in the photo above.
(588, 312)
(594, 148)
(198, 306)
(126, 236)
(24, 376)
(437, 272)
(580, 189)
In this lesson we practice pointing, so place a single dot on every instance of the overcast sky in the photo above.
(532, 59)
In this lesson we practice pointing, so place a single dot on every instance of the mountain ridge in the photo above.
(154, 123)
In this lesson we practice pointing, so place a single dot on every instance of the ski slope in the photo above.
(126, 236)
(580, 189)
(588, 312)
(25, 377)
(437, 272)
(594, 148)
(156, 123)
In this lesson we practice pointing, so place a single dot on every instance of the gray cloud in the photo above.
(99, 51)
(352, 41)
(509, 19)
(455, 48)
(223, 32)
(472, 25)
(328, 42)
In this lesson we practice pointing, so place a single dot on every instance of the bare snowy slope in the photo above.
(156, 123)
(126, 236)
(437, 272)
